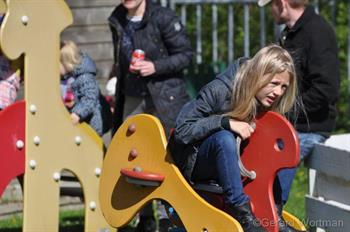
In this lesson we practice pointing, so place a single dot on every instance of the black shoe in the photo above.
(283, 225)
(244, 215)
(146, 224)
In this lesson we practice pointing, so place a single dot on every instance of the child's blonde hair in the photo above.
(70, 55)
(257, 73)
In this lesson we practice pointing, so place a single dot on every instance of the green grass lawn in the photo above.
(296, 202)
(73, 221)
(70, 221)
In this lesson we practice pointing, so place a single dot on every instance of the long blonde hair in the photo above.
(70, 55)
(256, 73)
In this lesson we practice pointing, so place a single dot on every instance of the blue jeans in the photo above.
(285, 178)
(217, 160)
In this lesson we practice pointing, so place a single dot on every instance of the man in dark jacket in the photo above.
(312, 43)
(154, 85)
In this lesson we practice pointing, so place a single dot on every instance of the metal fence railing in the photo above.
(192, 10)
(199, 4)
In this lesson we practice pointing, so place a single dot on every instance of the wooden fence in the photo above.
(328, 203)
(90, 31)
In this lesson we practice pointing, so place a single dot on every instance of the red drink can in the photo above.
(137, 55)
(69, 96)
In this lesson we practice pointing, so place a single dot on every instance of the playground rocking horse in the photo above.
(138, 168)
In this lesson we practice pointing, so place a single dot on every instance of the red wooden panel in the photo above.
(274, 145)
(12, 158)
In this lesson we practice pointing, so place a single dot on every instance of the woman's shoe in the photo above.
(244, 215)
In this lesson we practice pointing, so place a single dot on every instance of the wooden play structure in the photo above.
(138, 168)
(38, 140)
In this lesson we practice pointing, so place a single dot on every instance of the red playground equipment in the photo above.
(12, 143)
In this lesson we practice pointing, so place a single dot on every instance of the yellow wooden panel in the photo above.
(293, 221)
(121, 200)
(33, 28)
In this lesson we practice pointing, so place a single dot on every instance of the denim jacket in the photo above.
(200, 118)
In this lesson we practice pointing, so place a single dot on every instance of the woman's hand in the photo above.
(243, 129)
(144, 68)
(75, 118)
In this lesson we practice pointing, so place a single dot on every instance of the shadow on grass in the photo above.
(73, 228)
(72, 224)
(76, 224)
(11, 230)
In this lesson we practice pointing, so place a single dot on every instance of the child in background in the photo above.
(79, 87)
(9, 80)
(9, 83)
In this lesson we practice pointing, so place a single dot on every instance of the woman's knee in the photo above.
(225, 140)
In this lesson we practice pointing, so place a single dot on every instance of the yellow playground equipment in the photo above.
(138, 168)
(51, 142)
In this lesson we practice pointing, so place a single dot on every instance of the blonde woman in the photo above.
(203, 144)
(79, 87)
